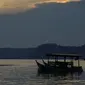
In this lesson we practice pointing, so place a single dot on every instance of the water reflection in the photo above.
(60, 75)
(61, 78)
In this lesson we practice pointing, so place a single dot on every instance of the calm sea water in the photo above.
(24, 72)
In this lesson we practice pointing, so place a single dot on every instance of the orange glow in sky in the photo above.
(62, 1)
(21, 5)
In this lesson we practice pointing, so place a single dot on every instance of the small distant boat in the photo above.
(60, 66)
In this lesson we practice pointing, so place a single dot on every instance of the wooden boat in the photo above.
(60, 66)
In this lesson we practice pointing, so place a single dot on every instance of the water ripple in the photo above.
(27, 75)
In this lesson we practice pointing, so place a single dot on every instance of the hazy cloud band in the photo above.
(14, 6)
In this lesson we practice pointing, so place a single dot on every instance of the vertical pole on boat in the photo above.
(78, 62)
(48, 59)
(64, 58)
(71, 61)
(55, 58)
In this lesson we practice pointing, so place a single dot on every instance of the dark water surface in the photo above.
(24, 72)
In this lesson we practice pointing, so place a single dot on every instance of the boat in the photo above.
(54, 64)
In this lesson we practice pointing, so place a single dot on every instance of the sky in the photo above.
(29, 23)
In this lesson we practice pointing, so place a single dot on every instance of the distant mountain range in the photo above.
(41, 50)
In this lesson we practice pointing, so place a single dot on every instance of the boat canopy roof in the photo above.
(63, 55)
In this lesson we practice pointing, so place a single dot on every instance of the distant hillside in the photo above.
(41, 50)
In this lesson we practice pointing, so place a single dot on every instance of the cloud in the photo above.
(14, 6)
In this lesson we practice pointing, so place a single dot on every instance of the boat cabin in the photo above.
(56, 57)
